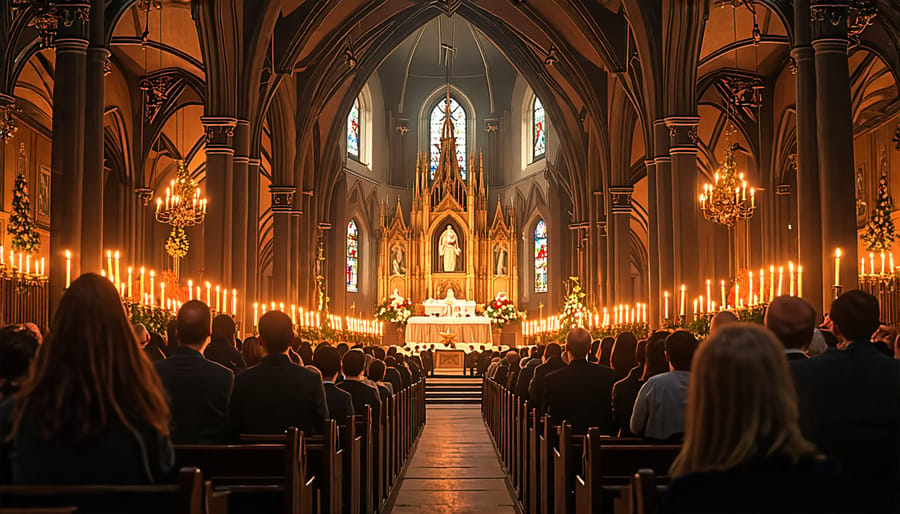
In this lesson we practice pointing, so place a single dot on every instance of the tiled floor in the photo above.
(454, 468)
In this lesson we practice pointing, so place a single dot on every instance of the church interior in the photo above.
(458, 173)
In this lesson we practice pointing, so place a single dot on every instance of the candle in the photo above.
(762, 288)
(644, 313)
(109, 266)
(234, 302)
(666, 305)
(255, 313)
(118, 276)
(791, 281)
(872, 262)
(218, 299)
(862, 266)
(882, 263)
(800, 281)
(224, 300)
(208, 286)
(695, 307)
(702, 305)
(42, 264)
(737, 294)
(708, 291)
(724, 298)
(837, 267)
(293, 314)
(190, 289)
(141, 287)
(750, 292)
(152, 288)
(771, 283)
(780, 279)
(162, 293)
(129, 281)
(102, 272)
(683, 291)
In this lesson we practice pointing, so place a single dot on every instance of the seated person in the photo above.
(18, 346)
(340, 404)
(276, 394)
(199, 390)
(376, 375)
(222, 345)
(354, 364)
(743, 451)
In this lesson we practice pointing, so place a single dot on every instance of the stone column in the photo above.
(67, 157)
(239, 212)
(92, 194)
(683, 133)
(835, 134)
(217, 229)
(809, 224)
(252, 223)
(282, 209)
(664, 217)
(620, 251)
(653, 272)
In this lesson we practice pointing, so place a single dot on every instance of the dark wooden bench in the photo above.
(189, 496)
(609, 465)
(258, 476)
(351, 442)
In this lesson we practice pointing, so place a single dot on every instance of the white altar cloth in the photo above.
(467, 330)
(460, 308)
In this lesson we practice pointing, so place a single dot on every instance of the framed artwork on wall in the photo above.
(42, 200)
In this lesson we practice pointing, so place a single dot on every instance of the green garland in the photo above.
(156, 320)
(700, 325)
(177, 244)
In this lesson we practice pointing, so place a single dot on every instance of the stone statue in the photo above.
(500, 258)
(398, 266)
(448, 249)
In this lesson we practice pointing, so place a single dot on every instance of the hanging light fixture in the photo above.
(728, 199)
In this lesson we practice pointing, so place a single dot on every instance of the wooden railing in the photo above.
(555, 471)
(23, 300)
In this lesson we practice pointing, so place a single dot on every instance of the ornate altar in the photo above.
(448, 242)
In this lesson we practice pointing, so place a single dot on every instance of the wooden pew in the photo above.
(609, 465)
(545, 461)
(367, 475)
(351, 442)
(568, 445)
(645, 492)
(257, 473)
(534, 471)
(185, 497)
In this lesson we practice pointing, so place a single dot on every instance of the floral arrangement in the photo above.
(573, 312)
(501, 311)
(395, 309)
(177, 244)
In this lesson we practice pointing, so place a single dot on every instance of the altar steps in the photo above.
(452, 390)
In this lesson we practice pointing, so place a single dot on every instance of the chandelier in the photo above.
(726, 200)
(7, 124)
(183, 206)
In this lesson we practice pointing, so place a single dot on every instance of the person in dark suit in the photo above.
(363, 394)
(376, 375)
(221, 347)
(625, 391)
(850, 402)
(552, 362)
(527, 372)
(199, 390)
(150, 350)
(563, 396)
(340, 404)
(743, 451)
(793, 321)
(405, 375)
(276, 394)
(392, 375)
(414, 369)
(510, 360)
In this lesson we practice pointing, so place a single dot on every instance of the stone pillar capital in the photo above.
(219, 131)
(620, 199)
(283, 199)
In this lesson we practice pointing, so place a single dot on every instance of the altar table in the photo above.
(429, 330)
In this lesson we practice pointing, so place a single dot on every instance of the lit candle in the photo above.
(724, 298)
(109, 266)
(780, 279)
(293, 314)
(162, 293)
(218, 299)
(737, 294)
(750, 292)
(255, 313)
(683, 291)
(103, 273)
(837, 267)
(225, 300)
(791, 281)
(862, 266)
(234, 302)
(872, 262)
(152, 288)
(800, 281)
(130, 270)
(708, 291)
(208, 287)
(118, 276)
(882, 263)
(190, 289)
(141, 280)
(666, 305)
(762, 284)
(695, 307)
(616, 315)
(644, 313)
(281, 307)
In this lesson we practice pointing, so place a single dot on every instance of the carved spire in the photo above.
(482, 186)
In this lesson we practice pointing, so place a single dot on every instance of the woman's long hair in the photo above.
(655, 361)
(622, 358)
(90, 370)
(741, 405)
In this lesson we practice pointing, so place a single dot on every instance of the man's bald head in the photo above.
(192, 323)
(578, 343)
(793, 320)
(721, 319)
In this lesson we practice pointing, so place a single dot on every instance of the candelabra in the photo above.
(725, 201)
(182, 207)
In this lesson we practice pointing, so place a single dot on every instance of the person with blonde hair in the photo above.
(743, 450)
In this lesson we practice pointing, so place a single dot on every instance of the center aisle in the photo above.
(454, 467)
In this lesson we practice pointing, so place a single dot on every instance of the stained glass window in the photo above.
(458, 115)
(352, 257)
(538, 133)
(540, 257)
(353, 130)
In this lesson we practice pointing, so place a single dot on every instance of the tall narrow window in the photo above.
(458, 116)
(538, 132)
(353, 130)
(352, 257)
(540, 257)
